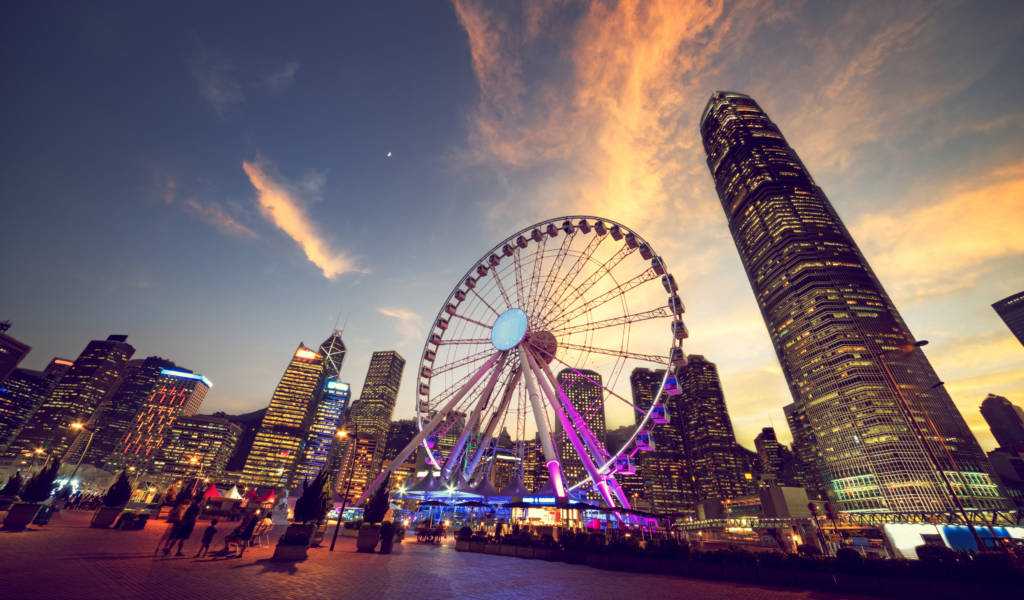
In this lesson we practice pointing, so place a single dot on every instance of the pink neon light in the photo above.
(556, 476)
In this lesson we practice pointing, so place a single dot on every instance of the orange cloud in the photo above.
(279, 205)
(943, 245)
(221, 220)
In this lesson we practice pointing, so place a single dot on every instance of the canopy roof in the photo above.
(233, 493)
(211, 492)
(516, 489)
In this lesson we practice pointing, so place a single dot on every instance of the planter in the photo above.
(20, 515)
(318, 536)
(387, 538)
(670, 566)
(492, 548)
(775, 576)
(461, 546)
(576, 557)
(6, 502)
(369, 535)
(543, 553)
(105, 516)
(815, 579)
(476, 546)
(598, 561)
(294, 544)
(508, 550)
(524, 551)
(902, 587)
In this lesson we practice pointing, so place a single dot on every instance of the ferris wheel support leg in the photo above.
(550, 458)
(422, 435)
(492, 423)
(574, 439)
(456, 453)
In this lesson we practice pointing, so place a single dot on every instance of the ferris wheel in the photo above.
(572, 301)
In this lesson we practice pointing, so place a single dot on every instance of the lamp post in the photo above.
(924, 441)
(194, 460)
(88, 442)
(348, 483)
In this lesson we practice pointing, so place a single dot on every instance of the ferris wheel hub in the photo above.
(509, 329)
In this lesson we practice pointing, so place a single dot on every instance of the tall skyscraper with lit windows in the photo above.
(323, 433)
(856, 376)
(20, 396)
(281, 438)
(95, 373)
(1011, 311)
(663, 473)
(584, 391)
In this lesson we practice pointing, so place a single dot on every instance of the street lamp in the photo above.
(924, 441)
(194, 460)
(92, 431)
(342, 434)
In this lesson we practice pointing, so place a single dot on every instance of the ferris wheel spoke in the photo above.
(467, 360)
(556, 294)
(486, 303)
(655, 313)
(465, 341)
(556, 266)
(473, 321)
(501, 287)
(518, 268)
(538, 263)
(598, 301)
(604, 269)
(655, 359)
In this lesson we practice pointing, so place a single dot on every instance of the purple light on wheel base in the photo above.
(556, 476)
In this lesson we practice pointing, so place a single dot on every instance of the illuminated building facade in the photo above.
(20, 396)
(11, 352)
(176, 393)
(663, 472)
(76, 396)
(854, 372)
(1011, 311)
(399, 436)
(115, 417)
(281, 438)
(323, 432)
(584, 391)
(197, 446)
(808, 475)
(708, 438)
(371, 418)
(503, 469)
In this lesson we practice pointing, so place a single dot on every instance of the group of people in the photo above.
(182, 521)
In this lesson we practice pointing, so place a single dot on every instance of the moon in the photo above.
(389, 155)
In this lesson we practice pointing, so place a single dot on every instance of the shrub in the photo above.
(315, 503)
(40, 486)
(13, 486)
(848, 560)
(993, 563)
(463, 534)
(808, 550)
(933, 554)
(119, 493)
(775, 560)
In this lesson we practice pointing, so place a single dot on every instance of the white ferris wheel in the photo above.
(574, 294)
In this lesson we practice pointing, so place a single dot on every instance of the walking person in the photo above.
(184, 529)
(173, 520)
(208, 534)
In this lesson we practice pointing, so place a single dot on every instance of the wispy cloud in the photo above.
(282, 77)
(215, 78)
(281, 206)
(409, 323)
(209, 212)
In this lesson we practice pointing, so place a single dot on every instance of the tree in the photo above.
(119, 493)
(40, 486)
(315, 503)
(13, 486)
(377, 506)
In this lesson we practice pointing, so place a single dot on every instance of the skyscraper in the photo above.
(664, 473)
(196, 446)
(282, 435)
(11, 351)
(851, 362)
(20, 395)
(1011, 311)
(370, 419)
(176, 393)
(106, 449)
(710, 443)
(1006, 420)
(323, 433)
(73, 400)
(808, 474)
(584, 391)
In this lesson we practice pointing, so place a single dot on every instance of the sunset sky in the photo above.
(221, 183)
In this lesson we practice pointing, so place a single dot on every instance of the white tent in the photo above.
(233, 494)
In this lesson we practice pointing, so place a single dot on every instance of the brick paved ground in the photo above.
(67, 560)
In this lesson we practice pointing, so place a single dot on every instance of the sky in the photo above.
(224, 182)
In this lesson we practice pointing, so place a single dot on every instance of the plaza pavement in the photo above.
(67, 560)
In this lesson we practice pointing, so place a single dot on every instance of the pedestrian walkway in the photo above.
(67, 559)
